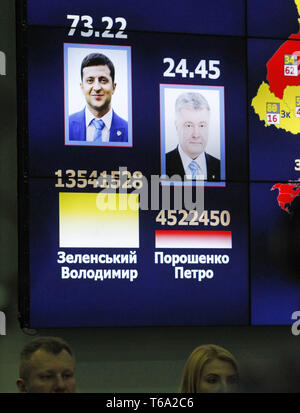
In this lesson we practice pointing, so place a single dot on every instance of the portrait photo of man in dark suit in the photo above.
(97, 123)
(189, 159)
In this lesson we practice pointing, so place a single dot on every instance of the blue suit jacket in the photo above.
(77, 128)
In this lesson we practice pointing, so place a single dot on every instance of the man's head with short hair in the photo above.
(98, 83)
(47, 365)
(98, 59)
(192, 113)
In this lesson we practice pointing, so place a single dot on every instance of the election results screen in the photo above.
(159, 161)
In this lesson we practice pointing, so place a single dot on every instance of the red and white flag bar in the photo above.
(193, 239)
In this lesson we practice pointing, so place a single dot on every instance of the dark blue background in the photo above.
(272, 18)
(266, 18)
(46, 102)
(275, 264)
(155, 297)
(189, 16)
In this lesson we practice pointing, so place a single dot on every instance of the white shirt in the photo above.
(186, 160)
(90, 128)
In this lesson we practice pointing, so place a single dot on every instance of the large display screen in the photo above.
(159, 161)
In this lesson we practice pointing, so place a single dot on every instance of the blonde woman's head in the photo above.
(210, 369)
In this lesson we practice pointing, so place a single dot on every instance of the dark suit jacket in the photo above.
(174, 165)
(77, 128)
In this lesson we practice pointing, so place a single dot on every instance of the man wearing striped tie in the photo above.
(97, 123)
(189, 159)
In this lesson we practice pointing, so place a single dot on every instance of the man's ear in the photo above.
(21, 385)
(114, 88)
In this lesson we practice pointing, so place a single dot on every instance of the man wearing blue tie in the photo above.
(189, 159)
(97, 123)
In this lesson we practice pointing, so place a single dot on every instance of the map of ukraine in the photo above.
(287, 194)
(278, 102)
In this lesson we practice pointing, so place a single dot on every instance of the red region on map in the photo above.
(287, 194)
(277, 81)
